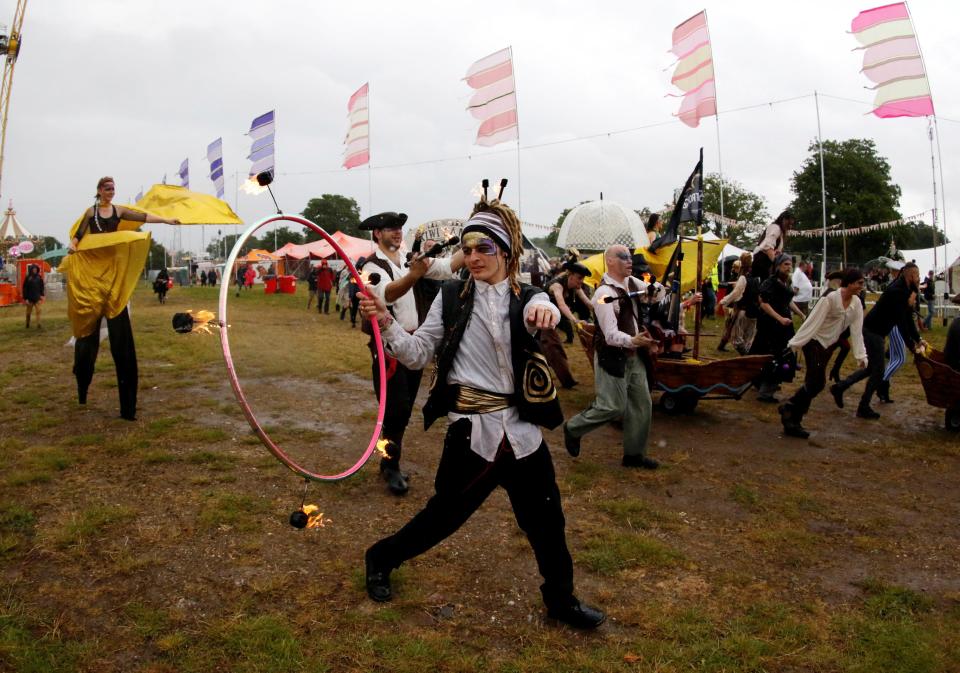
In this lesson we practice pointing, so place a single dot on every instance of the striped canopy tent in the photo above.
(11, 227)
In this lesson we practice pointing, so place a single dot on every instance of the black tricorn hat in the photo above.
(383, 220)
(577, 267)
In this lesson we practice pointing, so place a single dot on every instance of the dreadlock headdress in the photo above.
(497, 220)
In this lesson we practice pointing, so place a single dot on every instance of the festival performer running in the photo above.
(775, 324)
(33, 292)
(770, 245)
(397, 287)
(891, 310)
(621, 375)
(830, 317)
(493, 384)
(566, 293)
(102, 274)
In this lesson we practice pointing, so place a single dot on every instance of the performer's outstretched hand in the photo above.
(372, 307)
(541, 317)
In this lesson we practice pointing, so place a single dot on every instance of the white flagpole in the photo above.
(716, 118)
(943, 213)
(513, 66)
(823, 197)
(933, 170)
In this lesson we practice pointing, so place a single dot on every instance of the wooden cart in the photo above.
(941, 385)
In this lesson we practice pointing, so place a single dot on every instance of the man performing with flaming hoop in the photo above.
(494, 385)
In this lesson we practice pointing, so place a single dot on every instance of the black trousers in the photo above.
(815, 359)
(124, 359)
(463, 482)
(876, 364)
(402, 390)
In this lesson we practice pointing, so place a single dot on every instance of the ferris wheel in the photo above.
(10, 41)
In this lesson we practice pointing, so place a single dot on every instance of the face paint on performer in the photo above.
(476, 242)
(484, 258)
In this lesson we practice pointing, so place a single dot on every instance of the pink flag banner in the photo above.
(494, 102)
(892, 61)
(694, 72)
(357, 142)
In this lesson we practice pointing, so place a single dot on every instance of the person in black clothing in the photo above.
(891, 310)
(312, 286)
(951, 350)
(101, 218)
(774, 324)
(566, 293)
(33, 292)
(203, 278)
(929, 290)
(161, 285)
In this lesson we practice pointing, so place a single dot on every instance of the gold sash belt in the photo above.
(475, 401)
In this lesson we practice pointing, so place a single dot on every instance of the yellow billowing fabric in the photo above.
(103, 273)
(179, 203)
(659, 260)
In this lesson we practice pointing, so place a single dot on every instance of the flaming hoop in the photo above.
(235, 383)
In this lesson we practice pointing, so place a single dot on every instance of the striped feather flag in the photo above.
(215, 157)
(357, 142)
(262, 132)
(184, 173)
(694, 72)
(892, 60)
(495, 101)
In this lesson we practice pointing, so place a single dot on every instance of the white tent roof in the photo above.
(11, 227)
(599, 224)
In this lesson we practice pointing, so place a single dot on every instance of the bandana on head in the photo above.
(491, 225)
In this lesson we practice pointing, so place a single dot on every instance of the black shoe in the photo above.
(396, 480)
(722, 348)
(837, 393)
(883, 392)
(579, 615)
(640, 461)
(378, 582)
(572, 443)
(793, 429)
(867, 412)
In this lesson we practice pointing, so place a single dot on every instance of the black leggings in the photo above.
(124, 358)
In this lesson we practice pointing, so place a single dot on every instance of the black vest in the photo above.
(534, 395)
(613, 359)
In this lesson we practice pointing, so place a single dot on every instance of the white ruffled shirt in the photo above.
(827, 321)
(483, 361)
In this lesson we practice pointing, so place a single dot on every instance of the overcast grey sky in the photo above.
(130, 88)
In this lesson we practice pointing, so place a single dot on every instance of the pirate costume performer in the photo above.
(622, 364)
(399, 287)
(494, 386)
(107, 254)
(566, 293)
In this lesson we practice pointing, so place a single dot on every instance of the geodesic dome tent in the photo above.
(599, 224)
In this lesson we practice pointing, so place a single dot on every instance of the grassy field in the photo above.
(163, 546)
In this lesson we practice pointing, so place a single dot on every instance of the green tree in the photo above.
(333, 212)
(739, 204)
(48, 243)
(217, 246)
(158, 257)
(859, 192)
(285, 235)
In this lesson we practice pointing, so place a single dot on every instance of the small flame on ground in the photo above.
(314, 517)
(382, 445)
(202, 322)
